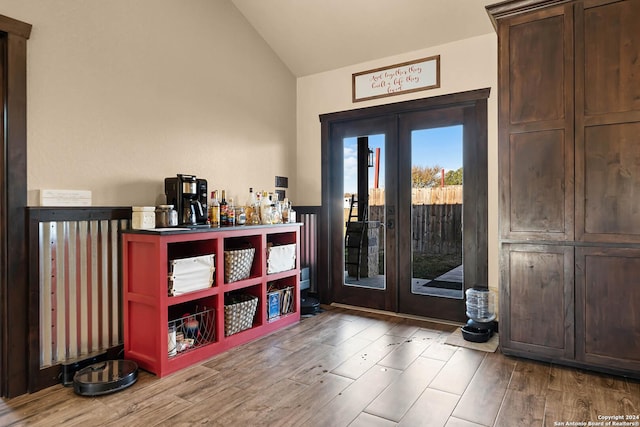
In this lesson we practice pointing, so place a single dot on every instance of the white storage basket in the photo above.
(191, 274)
(281, 258)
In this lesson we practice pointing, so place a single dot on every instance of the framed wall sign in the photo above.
(406, 77)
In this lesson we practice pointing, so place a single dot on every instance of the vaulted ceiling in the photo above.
(312, 36)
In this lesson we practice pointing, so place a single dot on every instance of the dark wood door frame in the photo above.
(14, 295)
(474, 106)
(475, 258)
(380, 299)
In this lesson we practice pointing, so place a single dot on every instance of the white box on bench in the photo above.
(281, 258)
(191, 274)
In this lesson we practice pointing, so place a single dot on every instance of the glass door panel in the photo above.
(364, 211)
(432, 145)
(436, 211)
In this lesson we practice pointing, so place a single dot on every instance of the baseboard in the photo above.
(392, 314)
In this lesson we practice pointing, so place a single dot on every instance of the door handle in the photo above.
(391, 224)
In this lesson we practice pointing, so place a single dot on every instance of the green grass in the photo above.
(429, 266)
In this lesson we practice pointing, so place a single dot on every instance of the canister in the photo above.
(143, 217)
(166, 216)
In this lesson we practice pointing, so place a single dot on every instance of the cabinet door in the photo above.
(608, 294)
(608, 121)
(536, 138)
(536, 300)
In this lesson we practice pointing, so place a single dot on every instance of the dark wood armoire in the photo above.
(569, 181)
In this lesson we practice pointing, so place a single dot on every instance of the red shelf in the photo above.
(179, 299)
(148, 308)
(282, 275)
(241, 284)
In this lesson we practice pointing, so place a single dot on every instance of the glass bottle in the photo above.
(258, 206)
(292, 213)
(285, 210)
(251, 203)
(231, 213)
(265, 209)
(214, 211)
(224, 210)
(276, 210)
(252, 198)
(253, 212)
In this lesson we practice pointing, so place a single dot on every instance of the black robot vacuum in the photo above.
(105, 377)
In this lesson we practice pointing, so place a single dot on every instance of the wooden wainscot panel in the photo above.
(608, 287)
(539, 174)
(540, 96)
(611, 65)
(537, 299)
(609, 178)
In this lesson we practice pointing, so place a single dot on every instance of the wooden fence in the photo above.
(435, 229)
(447, 195)
(436, 218)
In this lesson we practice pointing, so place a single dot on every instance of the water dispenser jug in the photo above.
(480, 311)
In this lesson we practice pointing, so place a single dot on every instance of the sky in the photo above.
(442, 146)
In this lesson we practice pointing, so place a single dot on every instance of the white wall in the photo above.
(464, 65)
(122, 94)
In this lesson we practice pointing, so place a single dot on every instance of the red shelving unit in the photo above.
(148, 308)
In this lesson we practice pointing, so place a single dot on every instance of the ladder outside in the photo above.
(355, 234)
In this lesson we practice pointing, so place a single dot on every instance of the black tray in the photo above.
(473, 334)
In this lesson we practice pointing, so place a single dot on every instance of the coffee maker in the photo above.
(188, 195)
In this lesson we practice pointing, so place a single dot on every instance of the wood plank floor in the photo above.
(345, 368)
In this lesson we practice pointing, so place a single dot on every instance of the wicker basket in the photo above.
(238, 313)
(237, 264)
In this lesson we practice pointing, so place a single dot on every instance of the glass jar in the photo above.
(253, 215)
(276, 214)
(166, 216)
(266, 214)
(241, 216)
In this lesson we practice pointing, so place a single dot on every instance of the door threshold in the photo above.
(393, 314)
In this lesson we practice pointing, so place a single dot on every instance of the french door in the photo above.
(430, 253)
(365, 259)
(398, 242)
